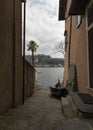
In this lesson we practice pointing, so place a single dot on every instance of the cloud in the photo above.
(42, 25)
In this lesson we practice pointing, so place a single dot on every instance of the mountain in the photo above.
(44, 60)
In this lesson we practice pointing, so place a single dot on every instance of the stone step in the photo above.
(68, 109)
(72, 120)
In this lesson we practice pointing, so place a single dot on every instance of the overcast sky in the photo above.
(42, 25)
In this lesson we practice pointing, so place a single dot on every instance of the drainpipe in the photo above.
(24, 50)
(70, 32)
(14, 42)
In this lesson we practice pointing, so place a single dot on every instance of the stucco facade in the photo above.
(12, 91)
(77, 47)
(10, 54)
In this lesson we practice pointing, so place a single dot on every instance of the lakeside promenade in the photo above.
(41, 112)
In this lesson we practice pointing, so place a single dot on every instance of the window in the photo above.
(90, 43)
(78, 20)
(90, 15)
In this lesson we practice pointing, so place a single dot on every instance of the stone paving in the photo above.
(40, 112)
(74, 119)
(43, 112)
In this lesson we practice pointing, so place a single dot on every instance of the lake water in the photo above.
(49, 76)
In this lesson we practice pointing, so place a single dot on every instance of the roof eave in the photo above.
(78, 7)
(62, 9)
(23, 0)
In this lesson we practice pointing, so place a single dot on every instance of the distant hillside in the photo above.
(45, 60)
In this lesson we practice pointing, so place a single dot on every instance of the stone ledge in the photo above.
(81, 106)
(64, 101)
(67, 108)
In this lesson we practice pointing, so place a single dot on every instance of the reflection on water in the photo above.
(49, 76)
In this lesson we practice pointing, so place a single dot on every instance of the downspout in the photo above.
(23, 93)
(14, 42)
(70, 36)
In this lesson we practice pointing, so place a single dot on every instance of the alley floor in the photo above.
(39, 112)
(42, 112)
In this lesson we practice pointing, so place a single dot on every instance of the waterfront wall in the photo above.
(29, 79)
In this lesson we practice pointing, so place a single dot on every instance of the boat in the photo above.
(59, 92)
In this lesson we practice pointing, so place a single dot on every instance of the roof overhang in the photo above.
(78, 7)
(62, 8)
(23, 0)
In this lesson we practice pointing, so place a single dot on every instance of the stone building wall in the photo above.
(10, 54)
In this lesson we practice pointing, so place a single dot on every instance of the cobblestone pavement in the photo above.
(39, 112)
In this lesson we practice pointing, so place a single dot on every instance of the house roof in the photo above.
(62, 8)
(78, 7)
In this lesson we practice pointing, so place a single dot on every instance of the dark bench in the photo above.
(83, 102)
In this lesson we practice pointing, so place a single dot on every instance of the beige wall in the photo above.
(67, 28)
(78, 52)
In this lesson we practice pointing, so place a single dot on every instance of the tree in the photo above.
(32, 46)
(60, 47)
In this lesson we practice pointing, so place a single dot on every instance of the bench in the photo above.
(83, 102)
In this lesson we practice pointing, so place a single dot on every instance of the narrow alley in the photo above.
(40, 112)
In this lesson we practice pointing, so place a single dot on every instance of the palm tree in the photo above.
(32, 46)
